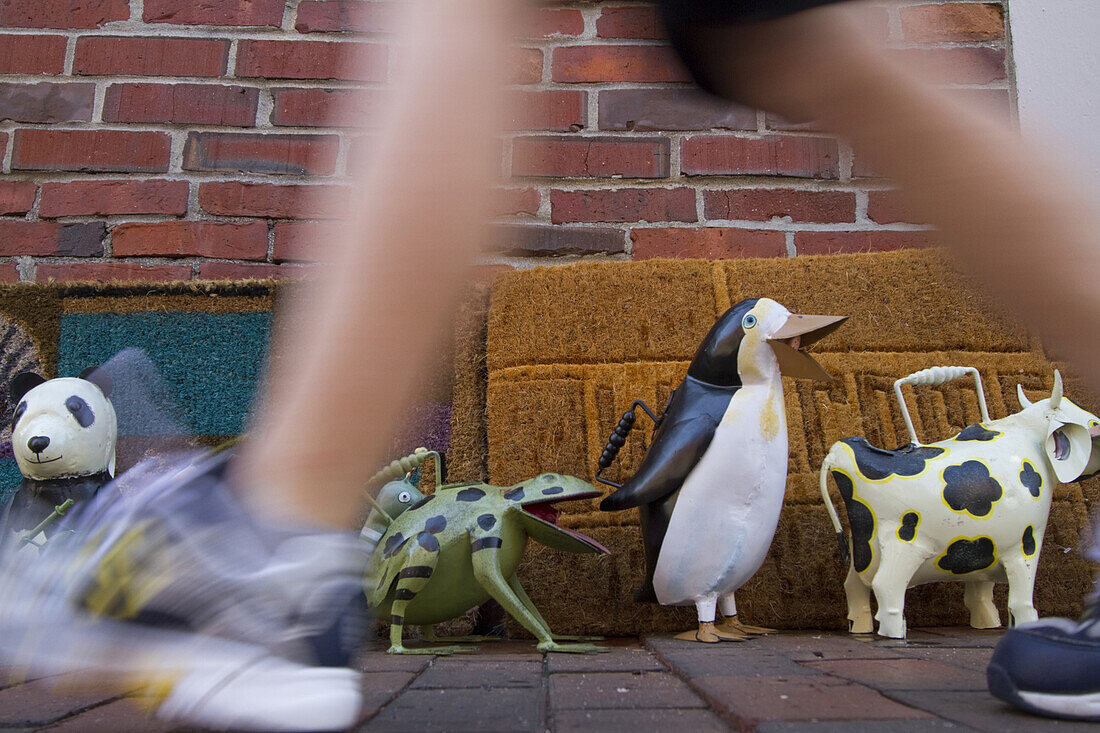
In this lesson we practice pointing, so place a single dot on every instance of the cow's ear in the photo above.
(1069, 448)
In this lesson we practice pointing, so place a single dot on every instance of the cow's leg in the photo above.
(860, 620)
(1021, 586)
(899, 562)
(978, 598)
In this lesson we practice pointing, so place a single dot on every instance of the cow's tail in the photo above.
(842, 543)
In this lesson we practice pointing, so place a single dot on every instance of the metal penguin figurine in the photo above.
(711, 486)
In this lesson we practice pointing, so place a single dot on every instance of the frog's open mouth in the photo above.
(546, 513)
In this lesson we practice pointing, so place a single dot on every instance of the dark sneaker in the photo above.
(164, 581)
(1051, 667)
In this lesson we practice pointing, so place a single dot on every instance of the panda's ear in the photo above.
(24, 382)
(99, 378)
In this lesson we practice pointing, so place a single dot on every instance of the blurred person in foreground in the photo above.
(228, 590)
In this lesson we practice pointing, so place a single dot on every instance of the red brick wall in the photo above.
(173, 139)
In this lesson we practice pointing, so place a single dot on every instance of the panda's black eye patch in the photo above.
(80, 410)
(19, 410)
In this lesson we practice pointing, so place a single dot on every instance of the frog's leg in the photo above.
(411, 581)
(521, 594)
(485, 551)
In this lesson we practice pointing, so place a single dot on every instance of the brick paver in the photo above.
(792, 682)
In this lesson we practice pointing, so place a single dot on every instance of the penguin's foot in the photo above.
(708, 633)
(732, 624)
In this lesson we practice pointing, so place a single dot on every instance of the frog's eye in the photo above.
(748, 321)
(404, 497)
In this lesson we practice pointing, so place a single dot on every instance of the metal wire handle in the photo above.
(933, 376)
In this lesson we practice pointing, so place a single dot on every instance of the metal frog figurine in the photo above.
(711, 486)
(452, 550)
(972, 508)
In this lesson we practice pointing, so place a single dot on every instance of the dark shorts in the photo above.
(683, 17)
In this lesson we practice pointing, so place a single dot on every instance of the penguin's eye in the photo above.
(404, 497)
(748, 321)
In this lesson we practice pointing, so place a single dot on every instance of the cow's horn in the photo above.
(1024, 401)
(1056, 395)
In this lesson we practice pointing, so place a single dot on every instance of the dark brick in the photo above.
(305, 241)
(328, 107)
(255, 153)
(216, 12)
(91, 150)
(47, 238)
(151, 56)
(620, 690)
(979, 710)
(955, 65)
(819, 243)
(472, 672)
(106, 198)
(888, 207)
(757, 204)
(41, 702)
(618, 658)
(16, 197)
(9, 273)
(573, 64)
(237, 198)
(773, 155)
(589, 157)
(903, 674)
(464, 709)
(632, 721)
(62, 14)
(638, 21)
(45, 102)
(533, 240)
(184, 238)
(707, 242)
(623, 205)
(311, 60)
(671, 109)
(557, 110)
(105, 272)
(249, 271)
(344, 15)
(199, 104)
(25, 54)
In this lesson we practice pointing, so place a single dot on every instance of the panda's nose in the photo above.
(38, 443)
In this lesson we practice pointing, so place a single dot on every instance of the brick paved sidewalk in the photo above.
(793, 681)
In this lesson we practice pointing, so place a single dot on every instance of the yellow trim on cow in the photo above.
(896, 477)
(901, 524)
(989, 470)
(1042, 481)
(936, 562)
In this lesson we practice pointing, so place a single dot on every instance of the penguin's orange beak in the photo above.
(798, 332)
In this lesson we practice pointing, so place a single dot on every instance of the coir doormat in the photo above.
(569, 348)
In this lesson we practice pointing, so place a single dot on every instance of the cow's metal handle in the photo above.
(938, 375)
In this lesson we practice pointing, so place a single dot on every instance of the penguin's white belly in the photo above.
(728, 508)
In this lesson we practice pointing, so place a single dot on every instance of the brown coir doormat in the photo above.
(569, 348)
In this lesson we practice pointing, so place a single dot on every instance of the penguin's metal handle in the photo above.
(938, 375)
(617, 439)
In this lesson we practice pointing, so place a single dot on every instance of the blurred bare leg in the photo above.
(1026, 227)
(357, 336)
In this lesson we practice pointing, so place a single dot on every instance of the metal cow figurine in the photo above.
(972, 508)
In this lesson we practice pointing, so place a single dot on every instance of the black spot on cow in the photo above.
(552, 490)
(486, 521)
(422, 502)
(908, 529)
(393, 544)
(428, 541)
(1028, 541)
(436, 524)
(968, 556)
(969, 488)
(977, 432)
(877, 464)
(1031, 479)
(470, 494)
(515, 494)
(860, 519)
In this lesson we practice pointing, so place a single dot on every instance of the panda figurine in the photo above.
(63, 436)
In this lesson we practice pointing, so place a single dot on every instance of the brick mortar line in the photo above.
(713, 704)
(363, 720)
